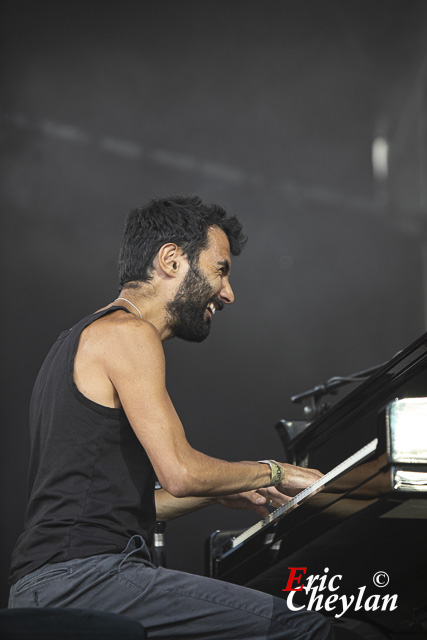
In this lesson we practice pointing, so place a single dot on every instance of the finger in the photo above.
(263, 491)
(279, 502)
(277, 497)
(262, 511)
(274, 498)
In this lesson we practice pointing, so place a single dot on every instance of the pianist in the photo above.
(103, 426)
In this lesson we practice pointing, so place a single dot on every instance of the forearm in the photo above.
(169, 507)
(196, 474)
(188, 472)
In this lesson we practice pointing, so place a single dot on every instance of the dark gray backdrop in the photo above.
(267, 108)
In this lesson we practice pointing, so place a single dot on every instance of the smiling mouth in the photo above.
(212, 308)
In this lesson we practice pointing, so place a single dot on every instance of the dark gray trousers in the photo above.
(170, 604)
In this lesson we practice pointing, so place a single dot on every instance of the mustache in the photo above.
(217, 302)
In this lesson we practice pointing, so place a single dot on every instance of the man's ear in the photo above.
(170, 259)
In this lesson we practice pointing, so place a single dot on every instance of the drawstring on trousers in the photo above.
(137, 548)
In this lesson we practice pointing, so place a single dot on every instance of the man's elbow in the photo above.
(179, 483)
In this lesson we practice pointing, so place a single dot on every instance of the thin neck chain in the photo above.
(131, 303)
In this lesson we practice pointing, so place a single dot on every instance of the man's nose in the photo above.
(227, 294)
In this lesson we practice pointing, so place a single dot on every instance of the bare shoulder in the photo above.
(114, 350)
(123, 330)
(131, 355)
(122, 335)
(122, 323)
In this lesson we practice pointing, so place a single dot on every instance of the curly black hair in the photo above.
(184, 220)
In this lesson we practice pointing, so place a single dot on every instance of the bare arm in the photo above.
(169, 507)
(134, 363)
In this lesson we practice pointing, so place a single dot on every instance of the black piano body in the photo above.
(368, 525)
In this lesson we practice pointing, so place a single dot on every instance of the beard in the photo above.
(186, 313)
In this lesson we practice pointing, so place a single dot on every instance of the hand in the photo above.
(255, 500)
(296, 479)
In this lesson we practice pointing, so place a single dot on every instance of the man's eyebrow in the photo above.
(224, 264)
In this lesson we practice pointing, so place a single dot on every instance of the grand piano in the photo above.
(365, 521)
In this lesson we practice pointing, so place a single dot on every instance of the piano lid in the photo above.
(352, 422)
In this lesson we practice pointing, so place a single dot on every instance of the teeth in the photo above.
(212, 307)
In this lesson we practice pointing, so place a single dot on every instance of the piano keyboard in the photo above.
(341, 468)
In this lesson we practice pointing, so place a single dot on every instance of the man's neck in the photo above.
(149, 306)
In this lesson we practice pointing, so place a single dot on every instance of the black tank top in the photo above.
(91, 482)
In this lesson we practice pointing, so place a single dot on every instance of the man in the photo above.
(103, 426)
